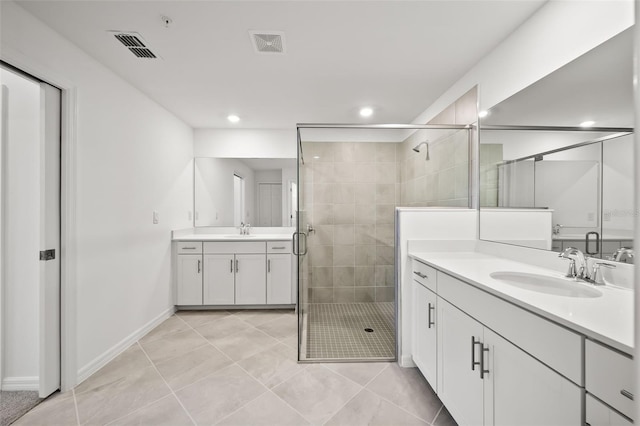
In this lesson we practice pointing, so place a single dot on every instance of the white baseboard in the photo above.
(406, 362)
(124, 344)
(21, 384)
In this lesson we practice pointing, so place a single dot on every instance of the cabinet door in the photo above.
(251, 281)
(520, 390)
(279, 279)
(218, 279)
(424, 332)
(189, 286)
(459, 387)
(598, 414)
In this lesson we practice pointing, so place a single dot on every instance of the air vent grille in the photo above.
(134, 43)
(268, 41)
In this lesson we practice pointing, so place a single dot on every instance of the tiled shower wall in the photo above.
(443, 180)
(350, 195)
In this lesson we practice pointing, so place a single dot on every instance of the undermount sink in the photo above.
(546, 284)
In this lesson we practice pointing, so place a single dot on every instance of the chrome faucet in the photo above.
(245, 228)
(578, 271)
(556, 229)
(625, 252)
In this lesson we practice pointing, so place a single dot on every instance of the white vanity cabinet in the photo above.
(189, 274)
(279, 273)
(609, 377)
(599, 414)
(491, 368)
(223, 273)
(424, 331)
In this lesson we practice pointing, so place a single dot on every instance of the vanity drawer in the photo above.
(189, 247)
(609, 376)
(278, 246)
(424, 274)
(235, 247)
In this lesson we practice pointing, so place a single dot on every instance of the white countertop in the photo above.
(608, 319)
(233, 237)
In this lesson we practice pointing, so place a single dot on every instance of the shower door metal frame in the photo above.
(300, 158)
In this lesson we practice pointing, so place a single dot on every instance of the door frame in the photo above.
(68, 201)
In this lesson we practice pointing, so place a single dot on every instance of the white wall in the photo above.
(245, 143)
(133, 157)
(557, 33)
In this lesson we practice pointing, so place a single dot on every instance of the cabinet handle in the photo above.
(473, 353)
(430, 323)
(231, 265)
(269, 265)
(198, 265)
(278, 248)
(483, 371)
(627, 394)
(420, 274)
(237, 267)
(188, 248)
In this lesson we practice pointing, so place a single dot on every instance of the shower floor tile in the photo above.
(337, 331)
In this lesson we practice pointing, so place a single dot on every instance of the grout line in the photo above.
(75, 404)
(437, 414)
(285, 401)
(169, 387)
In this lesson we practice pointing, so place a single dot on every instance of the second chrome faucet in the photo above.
(579, 268)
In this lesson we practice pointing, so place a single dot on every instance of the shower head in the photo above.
(417, 148)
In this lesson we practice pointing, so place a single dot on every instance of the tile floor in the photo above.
(239, 368)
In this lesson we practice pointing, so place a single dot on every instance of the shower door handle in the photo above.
(305, 243)
(296, 244)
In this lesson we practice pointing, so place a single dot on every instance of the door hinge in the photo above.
(48, 254)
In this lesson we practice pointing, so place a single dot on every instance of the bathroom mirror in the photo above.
(256, 191)
(549, 179)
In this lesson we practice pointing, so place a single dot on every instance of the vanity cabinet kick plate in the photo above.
(48, 254)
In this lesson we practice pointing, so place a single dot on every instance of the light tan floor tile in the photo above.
(171, 325)
(186, 369)
(166, 412)
(317, 393)
(360, 372)
(197, 318)
(444, 419)
(173, 345)
(272, 366)
(128, 362)
(407, 388)
(244, 344)
(223, 327)
(58, 409)
(257, 317)
(281, 327)
(220, 394)
(266, 410)
(368, 408)
(110, 402)
(291, 341)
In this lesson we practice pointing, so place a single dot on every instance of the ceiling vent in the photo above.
(267, 41)
(135, 44)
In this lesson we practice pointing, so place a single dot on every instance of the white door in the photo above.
(279, 279)
(251, 282)
(218, 279)
(30, 218)
(50, 242)
(189, 279)
(459, 384)
(424, 333)
(517, 386)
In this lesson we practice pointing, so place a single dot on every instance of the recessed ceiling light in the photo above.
(483, 114)
(316, 157)
(233, 118)
(366, 111)
(587, 123)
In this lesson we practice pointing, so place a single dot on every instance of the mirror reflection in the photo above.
(255, 191)
(556, 159)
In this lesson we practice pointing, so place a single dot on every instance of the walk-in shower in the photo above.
(351, 178)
